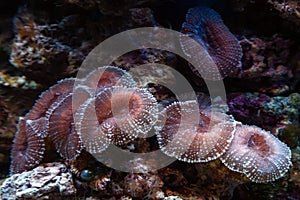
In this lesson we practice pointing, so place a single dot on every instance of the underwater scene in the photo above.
(150, 99)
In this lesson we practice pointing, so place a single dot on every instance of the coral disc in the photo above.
(35, 118)
(82, 93)
(205, 27)
(47, 98)
(87, 125)
(258, 154)
(107, 76)
(204, 135)
(117, 115)
(61, 128)
(29, 147)
(27, 150)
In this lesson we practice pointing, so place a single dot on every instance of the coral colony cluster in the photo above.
(242, 148)
(110, 108)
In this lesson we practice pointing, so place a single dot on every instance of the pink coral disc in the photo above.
(28, 147)
(35, 118)
(93, 138)
(27, 150)
(117, 115)
(202, 136)
(62, 130)
(206, 39)
(47, 98)
(82, 93)
(258, 154)
(107, 76)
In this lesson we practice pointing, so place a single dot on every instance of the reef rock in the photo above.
(112, 7)
(289, 10)
(38, 183)
(34, 52)
(271, 113)
(266, 65)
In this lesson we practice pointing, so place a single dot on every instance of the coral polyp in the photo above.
(258, 154)
(36, 117)
(62, 130)
(205, 27)
(107, 76)
(28, 149)
(194, 135)
(121, 114)
(29, 143)
(60, 89)
(133, 109)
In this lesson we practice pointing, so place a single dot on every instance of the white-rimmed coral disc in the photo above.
(105, 77)
(258, 154)
(201, 136)
(116, 115)
(207, 39)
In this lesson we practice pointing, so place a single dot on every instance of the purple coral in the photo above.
(248, 108)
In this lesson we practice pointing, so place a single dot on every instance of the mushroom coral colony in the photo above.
(113, 109)
(122, 112)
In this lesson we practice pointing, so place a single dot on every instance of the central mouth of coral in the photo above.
(259, 144)
(203, 124)
(124, 106)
